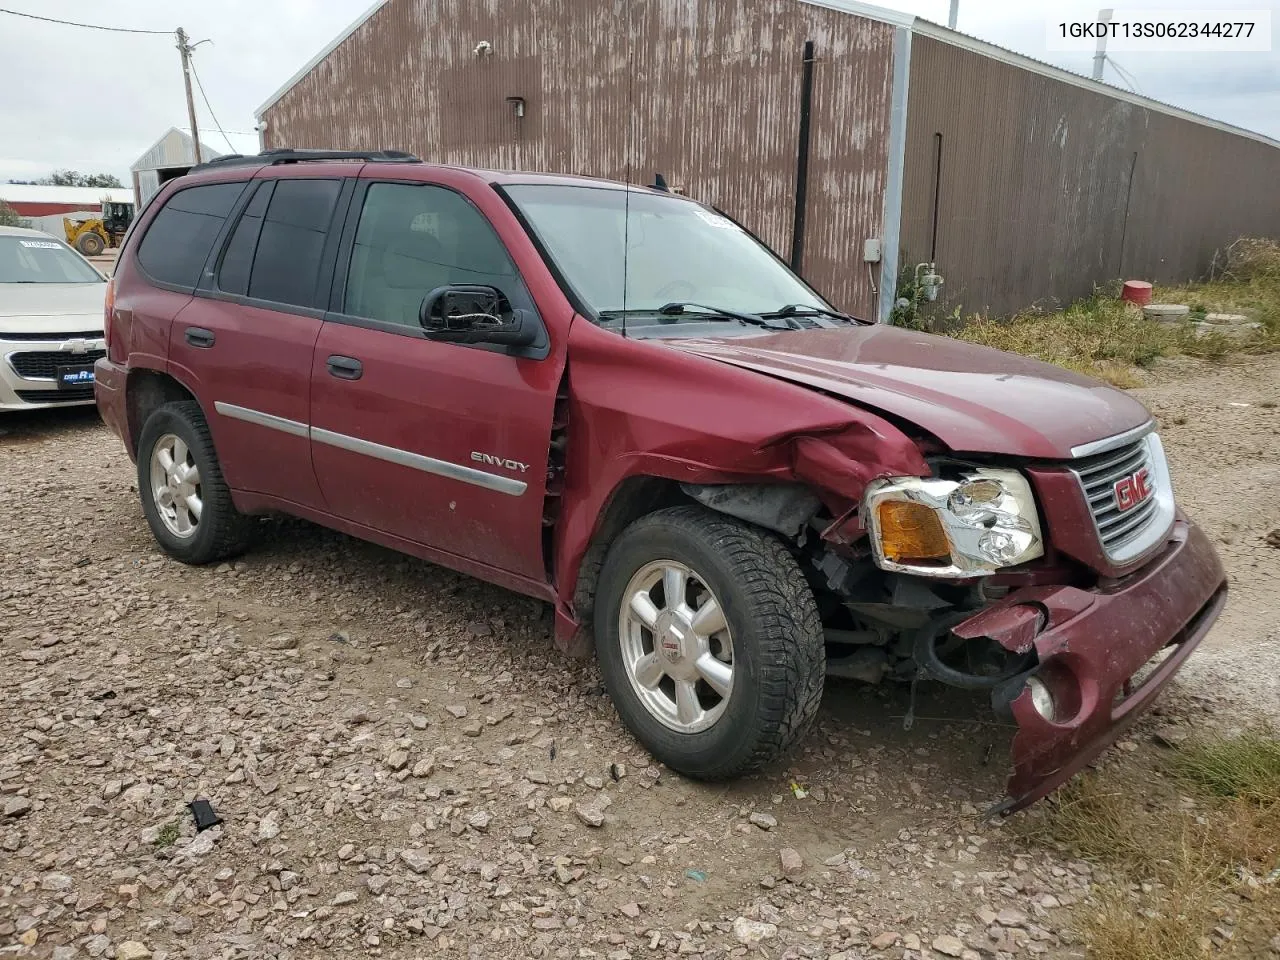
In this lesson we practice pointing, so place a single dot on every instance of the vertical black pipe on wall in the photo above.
(937, 195)
(1128, 196)
(802, 158)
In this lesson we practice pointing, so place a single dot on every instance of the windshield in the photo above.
(33, 260)
(677, 251)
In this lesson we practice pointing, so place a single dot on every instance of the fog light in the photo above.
(1042, 699)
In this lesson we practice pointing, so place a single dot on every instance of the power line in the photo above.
(200, 87)
(89, 26)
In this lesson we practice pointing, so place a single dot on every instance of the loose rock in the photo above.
(752, 932)
(419, 861)
(949, 946)
(792, 863)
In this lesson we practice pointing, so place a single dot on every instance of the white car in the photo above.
(51, 302)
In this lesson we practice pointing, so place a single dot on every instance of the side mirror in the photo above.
(473, 313)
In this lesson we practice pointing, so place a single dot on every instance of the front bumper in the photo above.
(19, 392)
(1090, 645)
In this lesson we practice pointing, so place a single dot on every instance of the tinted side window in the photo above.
(177, 242)
(237, 259)
(287, 260)
(413, 238)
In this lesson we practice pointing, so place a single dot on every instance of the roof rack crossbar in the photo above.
(287, 155)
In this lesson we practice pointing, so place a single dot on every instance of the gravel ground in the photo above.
(404, 766)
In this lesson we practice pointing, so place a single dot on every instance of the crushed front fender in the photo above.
(1097, 653)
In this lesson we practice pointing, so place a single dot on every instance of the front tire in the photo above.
(185, 499)
(89, 244)
(709, 641)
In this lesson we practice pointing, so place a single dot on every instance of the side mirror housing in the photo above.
(474, 313)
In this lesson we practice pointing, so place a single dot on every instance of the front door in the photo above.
(442, 444)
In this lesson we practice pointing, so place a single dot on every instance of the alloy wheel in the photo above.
(676, 646)
(175, 486)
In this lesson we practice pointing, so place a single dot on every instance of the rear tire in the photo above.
(762, 641)
(89, 244)
(185, 499)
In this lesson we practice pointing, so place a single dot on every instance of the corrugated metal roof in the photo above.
(173, 149)
(38, 193)
(867, 10)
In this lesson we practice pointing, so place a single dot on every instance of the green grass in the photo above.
(1106, 338)
(1176, 869)
(168, 835)
(1246, 766)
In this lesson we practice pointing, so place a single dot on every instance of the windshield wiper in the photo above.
(804, 310)
(719, 313)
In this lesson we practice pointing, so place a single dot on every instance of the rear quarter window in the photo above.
(178, 241)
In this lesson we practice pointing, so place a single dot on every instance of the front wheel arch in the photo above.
(773, 632)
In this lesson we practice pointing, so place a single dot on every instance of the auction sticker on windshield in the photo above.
(715, 219)
(40, 244)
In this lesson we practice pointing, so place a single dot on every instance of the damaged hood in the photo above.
(974, 399)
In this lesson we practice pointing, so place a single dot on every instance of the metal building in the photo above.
(169, 157)
(855, 140)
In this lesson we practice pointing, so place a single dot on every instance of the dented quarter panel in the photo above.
(641, 408)
(1101, 638)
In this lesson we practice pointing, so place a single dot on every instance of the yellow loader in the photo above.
(93, 235)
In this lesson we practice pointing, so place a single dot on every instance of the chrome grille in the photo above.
(70, 395)
(52, 337)
(44, 364)
(1098, 476)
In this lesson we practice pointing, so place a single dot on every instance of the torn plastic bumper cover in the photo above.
(1096, 653)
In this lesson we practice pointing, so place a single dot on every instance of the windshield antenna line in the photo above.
(626, 203)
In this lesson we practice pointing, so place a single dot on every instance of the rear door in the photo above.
(442, 444)
(247, 338)
(155, 282)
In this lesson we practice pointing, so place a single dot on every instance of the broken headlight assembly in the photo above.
(980, 522)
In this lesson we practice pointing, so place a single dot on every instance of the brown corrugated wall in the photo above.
(706, 91)
(1035, 183)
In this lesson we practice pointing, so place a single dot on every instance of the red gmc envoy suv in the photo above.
(619, 401)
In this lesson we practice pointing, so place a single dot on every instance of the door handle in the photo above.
(200, 337)
(346, 368)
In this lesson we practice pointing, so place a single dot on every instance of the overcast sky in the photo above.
(95, 101)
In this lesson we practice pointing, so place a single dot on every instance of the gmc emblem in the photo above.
(1132, 490)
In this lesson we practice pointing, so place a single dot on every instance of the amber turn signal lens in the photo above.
(911, 532)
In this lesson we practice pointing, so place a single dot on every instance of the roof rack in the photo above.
(287, 155)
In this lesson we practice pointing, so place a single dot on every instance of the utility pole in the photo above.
(184, 48)
(954, 16)
(1100, 58)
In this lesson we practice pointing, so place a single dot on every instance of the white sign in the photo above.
(1137, 30)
